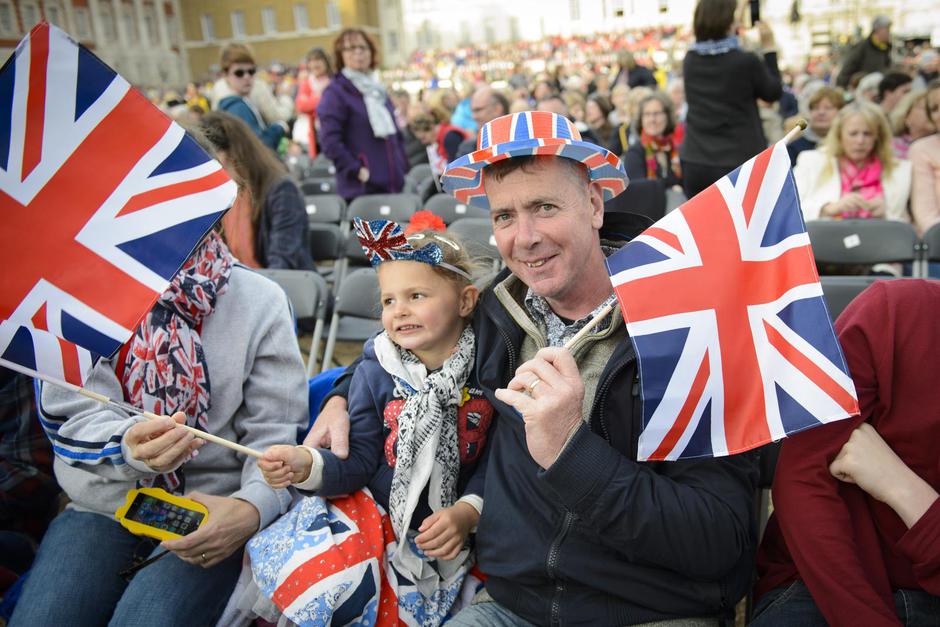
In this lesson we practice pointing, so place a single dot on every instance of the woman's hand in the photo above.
(162, 444)
(229, 525)
(363, 175)
(852, 203)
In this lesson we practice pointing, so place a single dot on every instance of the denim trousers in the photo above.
(74, 580)
(793, 605)
(492, 614)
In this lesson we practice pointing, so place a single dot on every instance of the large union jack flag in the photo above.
(725, 310)
(102, 198)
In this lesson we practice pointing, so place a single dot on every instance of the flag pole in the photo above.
(795, 132)
(127, 407)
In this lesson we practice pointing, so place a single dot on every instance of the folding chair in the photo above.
(643, 196)
(477, 234)
(864, 242)
(420, 171)
(356, 313)
(328, 208)
(449, 209)
(308, 295)
(931, 249)
(318, 185)
(322, 167)
(840, 290)
(397, 207)
(326, 244)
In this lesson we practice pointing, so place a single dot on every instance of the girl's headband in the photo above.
(384, 240)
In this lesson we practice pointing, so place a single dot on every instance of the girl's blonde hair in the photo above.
(877, 123)
(903, 109)
(455, 254)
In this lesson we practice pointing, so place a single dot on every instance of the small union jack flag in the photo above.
(385, 240)
(102, 198)
(726, 313)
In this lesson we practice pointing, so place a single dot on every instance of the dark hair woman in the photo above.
(656, 154)
(309, 91)
(722, 85)
(267, 225)
(357, 122)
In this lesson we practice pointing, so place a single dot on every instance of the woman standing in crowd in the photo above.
(722, 85)
(925, 161)
(441, 140)
(656, 154)
(824, 104)
(357, 124)
(910, 122)
(855, 173)
(267, 225)
(309, 92)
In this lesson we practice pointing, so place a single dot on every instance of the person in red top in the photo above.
(442, 140)
(855, 534)
(310, 88)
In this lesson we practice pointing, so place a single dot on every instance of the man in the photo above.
(555, 104)
(238, 68)
(873, 54)
(893, 87)
(485, 104)
(574, 530)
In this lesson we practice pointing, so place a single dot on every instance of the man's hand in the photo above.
(867, 461)
(162, 444)
(547, 390)
(331, 428)
(231, 522)
(444, 532)
(282, 465)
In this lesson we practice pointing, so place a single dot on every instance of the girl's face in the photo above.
(858, 140)
(653, 118)
(422, 311)
(917, 122)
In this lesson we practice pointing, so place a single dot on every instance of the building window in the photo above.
(54, 15)
(574, 7)
(332, 15)
(301, 18)
(269, 20)
(130, 24)
(30, 14)
(7, 21)
(150, 23)
(82, 22)
(208, 27)
(107, 22)
(392, 38)
(238, 24)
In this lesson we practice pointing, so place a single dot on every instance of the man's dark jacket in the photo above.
(865, 57)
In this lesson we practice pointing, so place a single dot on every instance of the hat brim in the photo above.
(463, 178)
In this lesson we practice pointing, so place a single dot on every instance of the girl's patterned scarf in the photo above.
(165, 370)
(652, 145)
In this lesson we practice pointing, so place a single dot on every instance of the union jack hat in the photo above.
(524, 134)
(385, 240)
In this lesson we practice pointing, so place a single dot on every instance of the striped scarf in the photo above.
(653, 145)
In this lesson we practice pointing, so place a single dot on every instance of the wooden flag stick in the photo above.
(590, 325)
(101, 398)
(795, 132)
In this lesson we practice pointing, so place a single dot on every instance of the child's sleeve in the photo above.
(366, 437)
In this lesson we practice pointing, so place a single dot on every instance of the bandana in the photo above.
(165, 370)
(384, 240)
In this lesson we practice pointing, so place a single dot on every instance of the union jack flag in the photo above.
(726, 313)
(102, 198)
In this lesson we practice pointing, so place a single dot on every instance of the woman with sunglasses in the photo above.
(238, 69)
(357, 122)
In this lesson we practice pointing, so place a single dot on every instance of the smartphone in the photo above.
(754, 6)
(156, 513)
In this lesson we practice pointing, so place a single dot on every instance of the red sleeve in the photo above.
(307, 99)
(921, 545)
(815, 511)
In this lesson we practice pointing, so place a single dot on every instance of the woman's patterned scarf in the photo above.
(165, 370)
(652, 145)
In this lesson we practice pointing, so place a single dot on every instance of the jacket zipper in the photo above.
(601, 395)
(509, 347)
(552, 564)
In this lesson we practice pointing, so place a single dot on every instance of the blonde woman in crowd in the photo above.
(910, 122)
(925, 159)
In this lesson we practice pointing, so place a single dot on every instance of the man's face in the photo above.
(546, 220)
(241, 77)
(882, 35)
(483, 107)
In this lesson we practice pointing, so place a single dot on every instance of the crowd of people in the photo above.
(484, 446)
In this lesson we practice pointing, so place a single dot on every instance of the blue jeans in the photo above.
(794, 606)
(75, 581)
(489, 613)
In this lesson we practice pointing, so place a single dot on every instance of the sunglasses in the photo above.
(240, 73)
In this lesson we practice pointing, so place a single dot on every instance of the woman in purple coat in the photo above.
(357, 125)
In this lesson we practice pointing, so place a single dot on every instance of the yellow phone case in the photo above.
(141, 529)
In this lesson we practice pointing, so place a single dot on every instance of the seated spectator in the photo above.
(928, 68)
(853, 537)
(218, 322)
(274, 110)
(656, 154)
(626, 133)
(485, 104)
(630, 73)
(555, 104)
(597, 110)
(867, 88)
(28, 489)
(676, 91)
(910, 122)
(824, 104)
(239, 69)
(855, 173)
(441, 140)
(620, 115)
(893, 87)
(925, 161)
(267, 225)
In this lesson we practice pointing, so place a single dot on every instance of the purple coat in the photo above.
(347, 139)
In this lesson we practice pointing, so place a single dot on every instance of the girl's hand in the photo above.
(444, 532)
(282, 465)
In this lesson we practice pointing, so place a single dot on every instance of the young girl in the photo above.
(418, 429)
